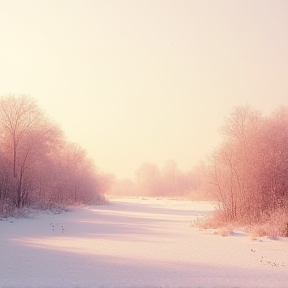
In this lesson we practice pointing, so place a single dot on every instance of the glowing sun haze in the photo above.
(144, 81)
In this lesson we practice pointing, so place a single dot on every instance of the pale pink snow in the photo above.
(135, 243)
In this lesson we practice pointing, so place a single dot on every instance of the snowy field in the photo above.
(135, 243)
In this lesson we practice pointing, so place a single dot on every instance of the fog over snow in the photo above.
(135, 242)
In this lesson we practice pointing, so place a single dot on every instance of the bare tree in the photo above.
(25, 131)
(248, 172)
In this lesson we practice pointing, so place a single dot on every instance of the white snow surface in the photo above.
(135, 242)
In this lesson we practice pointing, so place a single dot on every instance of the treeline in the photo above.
(38, 166)
(168, 181)
(248, 173)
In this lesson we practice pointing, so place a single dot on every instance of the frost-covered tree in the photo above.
(37, 164)
(248, 173)
(26, 132)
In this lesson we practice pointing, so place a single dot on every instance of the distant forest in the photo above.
(168, 181)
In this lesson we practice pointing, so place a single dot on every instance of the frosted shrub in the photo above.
(225, 231)
(216, 220)
(276, 225)
(6, 210)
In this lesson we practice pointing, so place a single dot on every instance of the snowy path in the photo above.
(135, 243)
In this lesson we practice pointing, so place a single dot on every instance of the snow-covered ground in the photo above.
(135, 243)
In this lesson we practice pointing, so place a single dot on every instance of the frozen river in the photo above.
(135, 243)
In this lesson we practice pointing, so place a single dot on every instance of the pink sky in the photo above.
(144, 81)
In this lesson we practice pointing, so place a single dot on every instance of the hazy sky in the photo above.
(144, 81)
